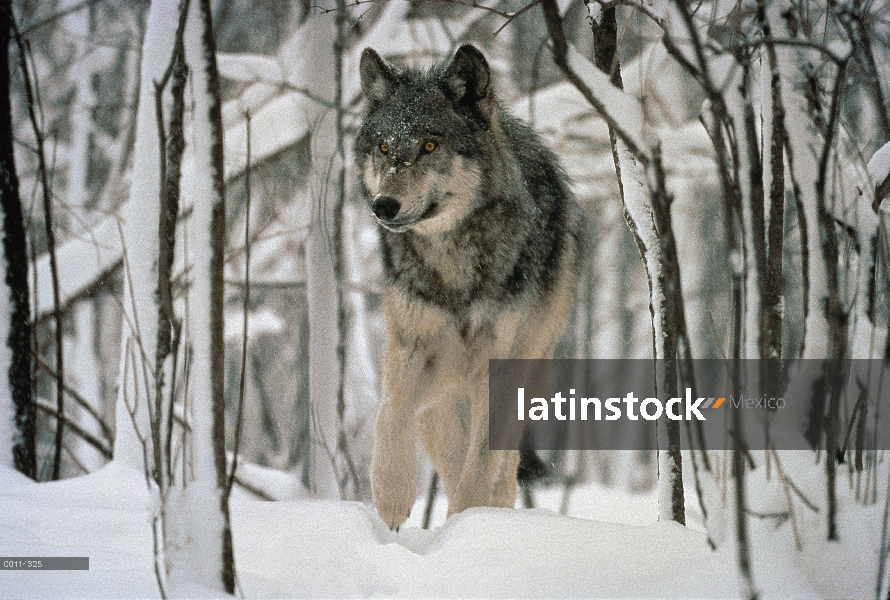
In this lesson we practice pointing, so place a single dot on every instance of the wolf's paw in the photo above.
(393, 497)
(393, 515)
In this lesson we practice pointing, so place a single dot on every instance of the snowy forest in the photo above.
(192, 314)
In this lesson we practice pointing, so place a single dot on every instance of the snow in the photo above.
(249, 68)
(260, 322)
(623, 109)
(312, 548)
(879, 165)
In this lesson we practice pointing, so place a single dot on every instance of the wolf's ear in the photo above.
(467, 77)
(377, 76)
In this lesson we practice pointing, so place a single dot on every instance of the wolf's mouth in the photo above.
(399, 227)
(396, 227)
(431, 211)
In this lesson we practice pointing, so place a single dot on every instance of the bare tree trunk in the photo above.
(771, 320)
(658, 251)
(324, 371)
(15, 250)
(741, 517)
(32, 99)
(139, 237)
(209, 366)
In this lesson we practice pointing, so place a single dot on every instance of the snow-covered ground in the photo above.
(609, 546)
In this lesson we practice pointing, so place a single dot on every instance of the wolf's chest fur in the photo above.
(485, 258)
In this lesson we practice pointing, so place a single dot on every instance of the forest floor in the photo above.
(609, 545)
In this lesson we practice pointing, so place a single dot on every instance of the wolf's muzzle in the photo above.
(385, 208)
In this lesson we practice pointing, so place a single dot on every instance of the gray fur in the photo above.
(487, 230)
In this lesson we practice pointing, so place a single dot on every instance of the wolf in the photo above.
(480, 238)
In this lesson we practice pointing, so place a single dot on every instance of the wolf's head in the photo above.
(423, 135)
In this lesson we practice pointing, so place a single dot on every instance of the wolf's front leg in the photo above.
(394, 462)
(488, 477)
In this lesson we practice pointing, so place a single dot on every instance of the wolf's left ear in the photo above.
(467, 78)
(377, 76)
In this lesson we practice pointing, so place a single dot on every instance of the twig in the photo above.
(252, 488)
(785, 488)
(809, 504)
(58, 15)
(430, 500)
(801, 43)
(76, 429)
(75, 395)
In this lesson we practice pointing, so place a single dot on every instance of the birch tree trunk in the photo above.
(324, 369)
(139, 235)
(647, 213)
(197, 514)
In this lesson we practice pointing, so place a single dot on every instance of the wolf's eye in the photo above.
(429, 146)
(384, 147)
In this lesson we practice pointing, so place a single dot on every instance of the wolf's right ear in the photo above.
(467, 77)
(377, 76)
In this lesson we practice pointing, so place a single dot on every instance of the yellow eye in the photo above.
(384, 147)
(430, 146)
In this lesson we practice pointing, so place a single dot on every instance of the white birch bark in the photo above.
(639, 211)
(139, 238)
(194, 520)
(84, 376)
(78, 24)
(321, 283)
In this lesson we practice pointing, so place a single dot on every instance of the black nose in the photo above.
(386, 208)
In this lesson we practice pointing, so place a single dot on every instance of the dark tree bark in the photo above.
(15, 249)
(771, 309)
(217, 292)
(172, 147)
(32, 99)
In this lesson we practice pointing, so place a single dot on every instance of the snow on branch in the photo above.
(621, 112)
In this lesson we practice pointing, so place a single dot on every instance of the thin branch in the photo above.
(76, 429)
(786, 490)
(560, 57)
(765, 40)
(58, 15)
(430, 501)
(77, 397)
